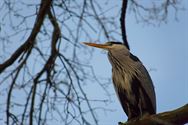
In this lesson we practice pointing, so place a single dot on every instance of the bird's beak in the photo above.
(102, 46)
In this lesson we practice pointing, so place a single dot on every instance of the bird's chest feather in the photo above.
(122, 81)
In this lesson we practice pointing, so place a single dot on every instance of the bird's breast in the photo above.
(122, 81)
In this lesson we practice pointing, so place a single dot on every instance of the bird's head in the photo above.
(110, 46)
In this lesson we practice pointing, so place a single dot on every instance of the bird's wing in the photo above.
(147, 85)
(146, 81)
(128, 106)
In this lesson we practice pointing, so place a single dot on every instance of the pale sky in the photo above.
(164, 52)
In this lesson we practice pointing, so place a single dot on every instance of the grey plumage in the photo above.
(131, 80)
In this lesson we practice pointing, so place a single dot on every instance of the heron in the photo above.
(131, 80)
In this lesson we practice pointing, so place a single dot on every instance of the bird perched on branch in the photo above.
(132, 82)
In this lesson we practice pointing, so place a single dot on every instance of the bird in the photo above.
(131, 80)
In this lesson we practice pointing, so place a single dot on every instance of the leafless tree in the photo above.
(44, 70)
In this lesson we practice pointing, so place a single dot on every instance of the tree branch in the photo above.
(176, 117)
(31, 40)
(123, 22)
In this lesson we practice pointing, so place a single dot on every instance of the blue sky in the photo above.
(164, 51)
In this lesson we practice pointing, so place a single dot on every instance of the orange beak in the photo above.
(102, 46)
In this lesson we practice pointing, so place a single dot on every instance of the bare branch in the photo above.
(176, 117)
(156, 13)
(31, 40)
(123, 22)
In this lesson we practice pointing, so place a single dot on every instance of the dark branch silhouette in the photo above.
(31, 40)
(176, 117)
(123, 23)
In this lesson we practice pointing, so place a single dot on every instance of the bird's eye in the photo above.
(109, 43)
